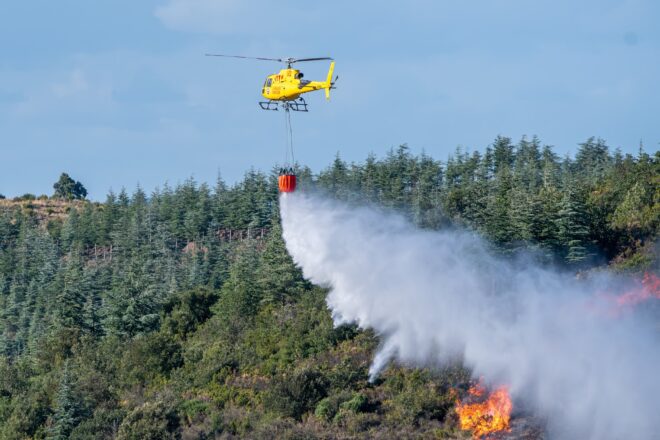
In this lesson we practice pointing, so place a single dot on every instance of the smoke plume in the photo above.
(436, 296)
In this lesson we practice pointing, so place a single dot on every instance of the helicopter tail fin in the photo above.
(328, 81)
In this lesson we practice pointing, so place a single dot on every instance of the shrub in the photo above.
(415, 395)
(325, 409)
(357, 404)
(188, 310)
(26, 196)
(102, 425)
(328, 408)
(295, 395)
(149, 356)
(151, 421)
(342, 407)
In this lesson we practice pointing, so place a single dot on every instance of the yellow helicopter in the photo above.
(284, 88)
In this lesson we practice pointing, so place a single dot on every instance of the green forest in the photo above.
(179, 314)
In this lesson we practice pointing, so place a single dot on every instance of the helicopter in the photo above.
(283, 89)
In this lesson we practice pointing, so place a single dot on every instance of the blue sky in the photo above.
(118, 93)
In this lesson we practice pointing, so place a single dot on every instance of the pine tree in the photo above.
(91, 310)
(527, 165)
(521, 215)
(198, 216)
(67, 408)
(108, 219)
(426, 209)
(277, 276)
(240, 296)
(399, 168)
(71, 298)
(71, 230)
(370, 189)
(498, 224)
(549, 168)
(219, 202)
(503, 153)
(88, 228)
(335, 179)
(592, 160)
(572, 230)
(218, 261)
(544, 227)
(140, 281)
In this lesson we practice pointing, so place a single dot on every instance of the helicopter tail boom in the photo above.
(328, 81)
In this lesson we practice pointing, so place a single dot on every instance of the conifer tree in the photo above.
(426, 209)
(503, 153)
(592, 160)
(498, 225)
(369, 181)
(549, 168)
(240, 296)
(91, 310)
(544, 227)
(71, 298)
(277, 275)
(108, 218)
(219, 202)
(67, 408)
(334, 180)
(572, 230)
(71, 230)
(527, 165)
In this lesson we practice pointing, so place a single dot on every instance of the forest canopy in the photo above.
(179, 314)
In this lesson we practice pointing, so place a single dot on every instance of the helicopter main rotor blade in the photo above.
(240, 56)
(297, 60)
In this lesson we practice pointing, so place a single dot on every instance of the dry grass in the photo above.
(44, 210)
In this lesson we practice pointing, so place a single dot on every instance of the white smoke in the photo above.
(433, 296)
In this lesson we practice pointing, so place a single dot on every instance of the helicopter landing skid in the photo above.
(297, 106)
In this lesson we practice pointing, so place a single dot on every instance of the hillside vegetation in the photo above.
(179, 314)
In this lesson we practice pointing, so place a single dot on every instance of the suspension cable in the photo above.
(287, 142)
(288, 149)
(293, 159)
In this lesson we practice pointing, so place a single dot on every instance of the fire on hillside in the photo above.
(650, 288)
(485, 413)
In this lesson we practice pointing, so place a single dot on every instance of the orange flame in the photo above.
(650, 289)
(486, 417)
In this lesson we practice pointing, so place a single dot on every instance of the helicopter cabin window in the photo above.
(269, 82)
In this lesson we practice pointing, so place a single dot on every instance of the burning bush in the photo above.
(485, 416)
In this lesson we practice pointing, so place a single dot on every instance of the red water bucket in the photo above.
(287, 183)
